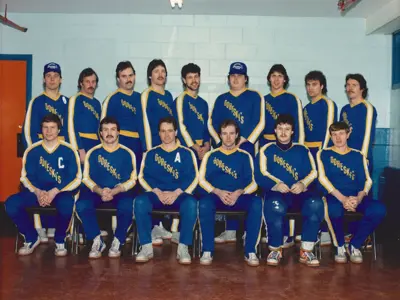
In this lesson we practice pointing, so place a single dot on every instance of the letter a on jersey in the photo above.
(177, 158)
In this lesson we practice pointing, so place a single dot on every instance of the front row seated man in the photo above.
(343, 172)
(227, 174)
(284, 170)
(169, 175)
(109, 177)
(51, 174)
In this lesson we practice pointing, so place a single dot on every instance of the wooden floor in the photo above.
(43, 276)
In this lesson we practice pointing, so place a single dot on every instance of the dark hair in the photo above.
(86, 73)
(361, 80)
(336, 126)
(280, 69)
(51, 118)
(152, 65)
(123, 65)
(317, 75)
(190, 68)
(230, 122)
(169, 120)
(109, 120)
(284, 119)
(245, 76)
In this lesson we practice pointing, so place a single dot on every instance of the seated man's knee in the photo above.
(256, 204)
(274, 207)
(189, 204)
(377, 209)
(125, 206)
(206, 204)
(13, 204)
(313, 208)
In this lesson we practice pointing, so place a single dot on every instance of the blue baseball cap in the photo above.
(52, 67)
(238, 68)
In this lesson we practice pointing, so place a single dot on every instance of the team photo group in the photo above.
(136, 152)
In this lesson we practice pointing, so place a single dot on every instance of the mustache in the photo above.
(109, 136)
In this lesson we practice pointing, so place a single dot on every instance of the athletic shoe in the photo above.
(252, 260)
(175, 237)
(97, 247)
(347, 238)
(308, 258)
(355, 255)
(156, 240)
(274, 257)
(340, 256)
(28, 248)
(368, 242)
(183, 255)
(42, 235)
(288, 242)
(51, 232)
(228, 236)
(325, 239)
(145, 254)
(162, 232)
(206, 259)
(115, 249)
(60, 250)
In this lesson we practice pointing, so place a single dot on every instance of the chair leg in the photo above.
(374, 245)
(16, 242)
(135, 239)
(72, 232)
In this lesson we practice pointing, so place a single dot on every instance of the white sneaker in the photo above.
(115, 249)
(162, 232)
(183, 255)
(228, 236)
(325, 239)
(308, 258)
(206, 259)
(156, 239)
(252, 260)
(355, 255)
(97, 247)
(60, 250)
(145, 254)
(274, 257)
(288, 242)
(42, 235)
(175, 237)
(340, 256)
(28, 248)
(129, 238)
(51, 232)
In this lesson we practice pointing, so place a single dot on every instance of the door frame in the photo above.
(28, 59)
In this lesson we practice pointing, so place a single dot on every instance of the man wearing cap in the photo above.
(247, 108)
(84, 112)
(48, 102)
(124, 105)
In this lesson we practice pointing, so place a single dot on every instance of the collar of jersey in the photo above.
(362, 101)
(125, 93)
(52, 150)
(151, 88)
(228, 152)
(278, 94)
(190, 95)
(230, 91)
(109, 150)
(87, 96)
(54, 99)
(347, 151)
(171, 150)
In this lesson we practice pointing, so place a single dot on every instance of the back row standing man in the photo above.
(247, 108)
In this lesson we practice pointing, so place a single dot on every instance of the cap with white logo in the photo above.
(238, 68)
(52, 67)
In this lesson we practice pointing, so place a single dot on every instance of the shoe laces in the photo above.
(27, 245)
(115, 244)
(309, 255)
(206, 255)
(97, 244)
(252, 256)
(355, 251)
(341, 251)
(274, 255)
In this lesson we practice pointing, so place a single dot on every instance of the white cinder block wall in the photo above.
(336, 46)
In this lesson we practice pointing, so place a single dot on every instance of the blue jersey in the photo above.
(83, 121)
(108, 168)
(154, 107)
(127, 110)
(192, 117)
(283, 103)
(169, 170)
(228, 170)
(362, 121)
(318, 116)
(274, 165)
(346, 172)
(247, 109)
(39, 107)
(45, 169)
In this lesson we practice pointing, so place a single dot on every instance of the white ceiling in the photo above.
(293, 8)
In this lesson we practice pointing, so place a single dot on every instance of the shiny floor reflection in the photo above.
(43, 276)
